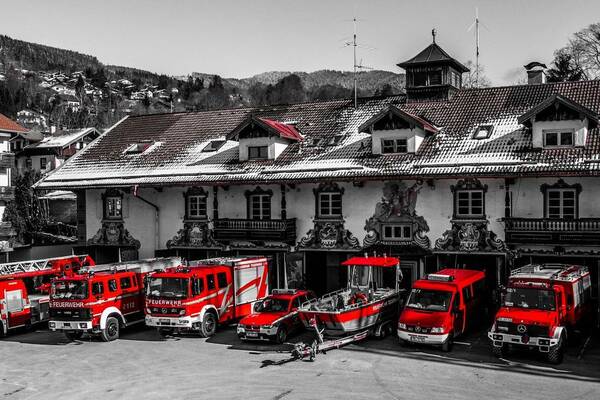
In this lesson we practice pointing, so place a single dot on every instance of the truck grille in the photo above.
(417, 329)
(530, 330)
(165, 311)
(74, 314)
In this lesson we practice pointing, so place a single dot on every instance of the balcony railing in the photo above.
(281, 230)
(552, 231)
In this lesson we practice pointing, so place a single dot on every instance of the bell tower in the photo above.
(432, 75)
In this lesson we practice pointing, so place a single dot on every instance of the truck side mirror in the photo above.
(257, 306)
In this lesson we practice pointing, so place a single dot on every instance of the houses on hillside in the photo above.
(489, 178)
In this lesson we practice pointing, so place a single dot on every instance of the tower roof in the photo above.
(432, 55)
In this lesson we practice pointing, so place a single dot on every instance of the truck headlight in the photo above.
(51, 325)
(83, 325)
(401, 325)
(437, 329)
(182, 312)
(148, 311)
(266, 326)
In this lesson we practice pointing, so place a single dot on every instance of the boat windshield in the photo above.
(430, 300)
(67, 289)
(171, 288)
(272, 305)
(541, 299)
(360, 276)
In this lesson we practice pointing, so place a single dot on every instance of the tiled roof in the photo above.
(8, 125)
(334, 148)
(63, 138)
(433, 54)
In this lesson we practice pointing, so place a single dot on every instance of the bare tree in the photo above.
(584, 51)
(472, 80)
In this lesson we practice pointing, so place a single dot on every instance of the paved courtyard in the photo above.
(43, 365)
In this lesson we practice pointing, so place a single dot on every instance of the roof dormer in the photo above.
(396, 131)
(559, 122)
(263, 138)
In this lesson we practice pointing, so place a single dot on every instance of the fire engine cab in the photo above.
(275, 317)
(198, 297)
(101, 300)
(540, 304)
(24, 288)
(442, 306)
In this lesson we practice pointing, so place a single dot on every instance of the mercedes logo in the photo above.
(164, 311)
(417, 329)
(521, 328)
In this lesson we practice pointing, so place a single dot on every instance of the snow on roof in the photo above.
(334, 148)
(64, 138)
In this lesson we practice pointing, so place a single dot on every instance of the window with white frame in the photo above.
(399, 145)
(330, 204)
(397, 232)
(258, 152)
(469, 203)
(559, 138)
(196, 206)
(561, 203)
(259, 206)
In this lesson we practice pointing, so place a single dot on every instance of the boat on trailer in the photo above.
(365, 304)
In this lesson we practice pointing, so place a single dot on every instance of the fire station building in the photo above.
(441, 176)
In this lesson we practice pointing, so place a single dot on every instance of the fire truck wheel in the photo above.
(209, 325)
(111, 331)
(2, 334)
(74, 335)
(447, 345)
(555, 355)
(281, 335)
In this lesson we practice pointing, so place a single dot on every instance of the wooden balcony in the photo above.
(278, 230)
(552, 231)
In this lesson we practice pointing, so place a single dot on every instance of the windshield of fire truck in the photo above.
(540, 299)
(66, 289)
(430, 300)
(272, 305)
(174, 288)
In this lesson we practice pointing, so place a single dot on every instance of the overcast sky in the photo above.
(242, 38)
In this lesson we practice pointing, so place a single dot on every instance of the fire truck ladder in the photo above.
(29, 268)
(142, 265)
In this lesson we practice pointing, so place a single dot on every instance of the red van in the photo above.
(442, 306)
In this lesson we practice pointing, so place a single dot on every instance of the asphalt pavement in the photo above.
(45, 365)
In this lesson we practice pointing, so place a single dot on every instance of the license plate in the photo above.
(67, 324)
(417, 338)
(164, 321)
(252, 334)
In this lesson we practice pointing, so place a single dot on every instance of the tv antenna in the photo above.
(475, 25)
(356, 66)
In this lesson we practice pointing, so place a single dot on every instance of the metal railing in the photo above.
(552, 225)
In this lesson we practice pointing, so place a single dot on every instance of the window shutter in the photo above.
(99, 208)
(125, 207)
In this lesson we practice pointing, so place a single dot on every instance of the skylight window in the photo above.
(138, 148)
(213, 145)
(483, 132)
(334, 140)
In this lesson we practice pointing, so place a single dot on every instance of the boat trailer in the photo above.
(323, 345)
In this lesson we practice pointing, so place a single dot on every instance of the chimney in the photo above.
(536, 73)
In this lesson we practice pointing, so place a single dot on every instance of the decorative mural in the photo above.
(469, 237)
(113, 233)
(194, 234)
(397, 209)
(328, 232)
(470, 234)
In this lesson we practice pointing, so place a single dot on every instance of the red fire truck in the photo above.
(198, 297)
(24, 288)
(541, 303)
(101, 300)
(442, 306)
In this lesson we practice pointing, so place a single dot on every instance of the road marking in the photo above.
(463, 343)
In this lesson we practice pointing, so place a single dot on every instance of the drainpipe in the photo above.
(156, 223)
